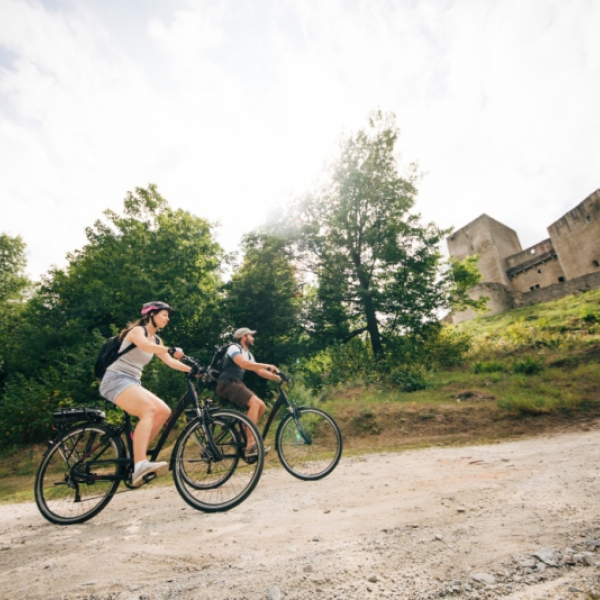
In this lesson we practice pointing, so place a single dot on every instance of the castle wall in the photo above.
(500, 299)
(591, 281)
(566, 263)
(576, 238)
(492, 240)
(535, 267)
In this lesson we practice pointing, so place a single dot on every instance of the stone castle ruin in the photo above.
(565, 263)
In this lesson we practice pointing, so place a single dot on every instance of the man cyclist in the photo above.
(238, 359)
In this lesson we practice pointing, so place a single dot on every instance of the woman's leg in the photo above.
(152, 413)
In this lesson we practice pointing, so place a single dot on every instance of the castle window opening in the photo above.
(588, 219)
(532, 251)
(596, 263)
(535, 287)
(539, 270)
(561, 279)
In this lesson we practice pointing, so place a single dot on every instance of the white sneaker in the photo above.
(146, 468)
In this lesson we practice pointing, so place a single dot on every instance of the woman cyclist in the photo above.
(121, 383)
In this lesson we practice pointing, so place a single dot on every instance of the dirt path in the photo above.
(442, 522)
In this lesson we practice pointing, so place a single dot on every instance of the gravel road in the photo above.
(517, 520)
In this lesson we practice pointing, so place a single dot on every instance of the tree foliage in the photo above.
(13, 282)
(377, 264)
(149, 252)
(263, 294)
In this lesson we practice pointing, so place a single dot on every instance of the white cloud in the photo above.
(231, 107)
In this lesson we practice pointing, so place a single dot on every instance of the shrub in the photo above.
(589, 316)
(491, 366)
(528, 365)
(408, 379)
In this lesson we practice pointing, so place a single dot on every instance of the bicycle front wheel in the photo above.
(79, 474)
(213, 482)
(309, 443)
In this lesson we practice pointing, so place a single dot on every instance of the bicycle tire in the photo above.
(79, 474)
(309, 444)
(213, 485)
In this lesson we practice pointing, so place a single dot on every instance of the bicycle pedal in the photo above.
(149, 477)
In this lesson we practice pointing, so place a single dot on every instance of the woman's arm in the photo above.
(138, 337)
(173, 363)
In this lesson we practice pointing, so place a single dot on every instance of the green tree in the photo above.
(377, 264)
(264, 295)
(149, 252)
(13, 282)
(14, 287)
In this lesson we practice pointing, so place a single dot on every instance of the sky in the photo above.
(234, 107)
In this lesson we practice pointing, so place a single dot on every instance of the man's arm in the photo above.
(264, 370)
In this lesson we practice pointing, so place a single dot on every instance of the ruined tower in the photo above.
(565, 263)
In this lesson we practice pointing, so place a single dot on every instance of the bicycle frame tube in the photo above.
(190, 397)
(89, 452)
(282, 400)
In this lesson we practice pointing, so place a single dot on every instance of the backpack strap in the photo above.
(132, 345)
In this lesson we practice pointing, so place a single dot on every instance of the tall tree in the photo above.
(149, 252)
(13, 281)
(14, 286)
(376, 262)
(264, 295)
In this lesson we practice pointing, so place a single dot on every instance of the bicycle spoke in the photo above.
(309, 444)
(78, 475)
(211, 483)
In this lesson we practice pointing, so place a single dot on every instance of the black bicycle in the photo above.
(308, 441)
(84, 465)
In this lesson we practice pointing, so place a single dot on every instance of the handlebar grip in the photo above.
(172, 350)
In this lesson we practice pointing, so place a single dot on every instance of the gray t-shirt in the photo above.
(231, 371)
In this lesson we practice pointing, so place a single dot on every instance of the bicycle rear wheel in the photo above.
(79, 474)
(213, 484)
(309, 444)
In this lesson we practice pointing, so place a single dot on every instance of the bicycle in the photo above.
(308, 441)
(84, 465)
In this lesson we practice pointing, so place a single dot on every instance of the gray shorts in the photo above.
(114, 382)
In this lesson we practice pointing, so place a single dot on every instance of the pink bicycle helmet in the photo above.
(151, 306)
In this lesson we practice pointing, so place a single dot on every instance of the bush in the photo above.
(589, 316)
(448, 348)
(528, 366)
(491, 366)
(408, 379)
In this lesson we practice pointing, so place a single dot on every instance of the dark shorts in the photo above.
(234, 391)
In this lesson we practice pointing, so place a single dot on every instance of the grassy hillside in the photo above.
(528, 371)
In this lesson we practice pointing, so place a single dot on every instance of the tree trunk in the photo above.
(369, 309)
(373, 327)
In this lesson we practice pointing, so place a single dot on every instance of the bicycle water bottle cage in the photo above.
(69, 416)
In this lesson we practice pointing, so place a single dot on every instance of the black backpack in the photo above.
(212, 372)
(109, 352)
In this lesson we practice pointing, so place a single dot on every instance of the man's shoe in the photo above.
(146, 472)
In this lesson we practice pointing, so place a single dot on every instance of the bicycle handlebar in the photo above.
(191, 362)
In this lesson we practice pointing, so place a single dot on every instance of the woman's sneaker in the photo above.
(145, 472)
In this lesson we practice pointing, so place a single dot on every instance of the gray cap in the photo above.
(241, 332)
